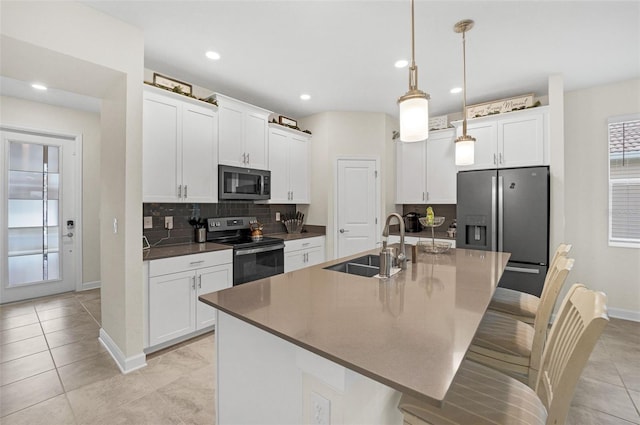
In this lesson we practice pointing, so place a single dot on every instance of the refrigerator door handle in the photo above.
(500, 213)
(493, 212)
(522, 270)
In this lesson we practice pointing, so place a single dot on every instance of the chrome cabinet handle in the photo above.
(495, 160)
(423, 196)
(427, 196)
(193, 283)
(179, 191)
(501, 159)
(193, 263)
(185, 191)
(248, 160)
(244, 158)
(200, 281)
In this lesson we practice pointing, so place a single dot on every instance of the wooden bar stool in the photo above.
(480, 395)
(520, 305)
(515, 347)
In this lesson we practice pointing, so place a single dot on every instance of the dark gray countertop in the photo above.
(167, 251)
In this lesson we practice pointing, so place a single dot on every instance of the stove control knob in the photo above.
(217, 224)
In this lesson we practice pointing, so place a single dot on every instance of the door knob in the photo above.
(69, 235)
(343, 231)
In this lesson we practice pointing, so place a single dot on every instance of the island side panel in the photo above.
(258, 382)
(263, 379)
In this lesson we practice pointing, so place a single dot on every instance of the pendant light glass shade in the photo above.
(414, 118)
(465, 150)
(465, 144)
(414, 105)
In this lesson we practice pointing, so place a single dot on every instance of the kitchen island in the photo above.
(317, 344)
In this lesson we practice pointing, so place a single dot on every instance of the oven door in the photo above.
(257, 263)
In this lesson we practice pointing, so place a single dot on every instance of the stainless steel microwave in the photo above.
(243, 183)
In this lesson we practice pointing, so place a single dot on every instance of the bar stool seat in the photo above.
(479, 395)
(520, 305)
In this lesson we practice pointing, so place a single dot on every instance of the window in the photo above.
(624, 181)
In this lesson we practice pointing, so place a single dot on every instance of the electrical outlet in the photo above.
(277, 216)
(147, 222)
(168, 222)
(320, 409)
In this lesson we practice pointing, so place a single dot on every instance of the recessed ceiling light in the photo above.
(213, 55)
(39, 86)
(456, 90)
(305, 96)
(402, 63)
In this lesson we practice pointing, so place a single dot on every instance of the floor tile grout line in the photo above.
(624, 384)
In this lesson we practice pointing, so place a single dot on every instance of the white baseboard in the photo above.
(621, 313)
(126, 364)
(90, 285)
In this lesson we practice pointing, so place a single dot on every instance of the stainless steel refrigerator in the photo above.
(507, 210)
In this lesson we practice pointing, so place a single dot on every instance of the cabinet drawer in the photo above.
(189, 262)
(306, 243)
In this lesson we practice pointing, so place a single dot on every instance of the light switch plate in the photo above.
(320, 409)
(148, 222)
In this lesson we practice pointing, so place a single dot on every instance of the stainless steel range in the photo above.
(252, 259)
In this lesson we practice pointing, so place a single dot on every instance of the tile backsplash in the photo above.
(183, 232)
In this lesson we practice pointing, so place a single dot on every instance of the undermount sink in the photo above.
(367, 266)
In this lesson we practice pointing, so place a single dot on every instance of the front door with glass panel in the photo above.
(38, 215)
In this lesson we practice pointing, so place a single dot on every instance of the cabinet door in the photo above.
(294, 260)
(410, 173)
(161, 153)
(199, 155)
(171, 306)
(299, 169)
(211, 279)
(256, 140)
(521, 141)
(315, 255)
(441, 168)
(231, 135)
(279, 166)
(485, 149)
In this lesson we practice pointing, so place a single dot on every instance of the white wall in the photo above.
(75, 48)
(616, 271)
(24, 113)
(337, 134)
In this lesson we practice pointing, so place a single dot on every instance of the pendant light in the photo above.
(414, 105)
(465, 143)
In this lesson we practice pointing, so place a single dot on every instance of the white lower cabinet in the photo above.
(174, 286)
(303, 253)
(413, 240)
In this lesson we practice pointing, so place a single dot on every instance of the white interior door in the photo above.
(40, 222)
(357, 201)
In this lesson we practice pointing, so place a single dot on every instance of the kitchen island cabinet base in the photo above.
(264, 379)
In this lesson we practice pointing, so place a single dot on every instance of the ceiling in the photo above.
(342, 52)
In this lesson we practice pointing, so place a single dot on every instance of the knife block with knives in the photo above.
(293, 223)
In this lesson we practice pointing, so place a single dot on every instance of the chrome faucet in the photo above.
(402, 257)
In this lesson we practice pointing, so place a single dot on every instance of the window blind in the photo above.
(624, 181)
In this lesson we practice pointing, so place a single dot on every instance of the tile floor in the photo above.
(54, 371)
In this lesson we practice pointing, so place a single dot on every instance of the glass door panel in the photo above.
(33, 213)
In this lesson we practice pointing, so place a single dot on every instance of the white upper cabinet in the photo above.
(179, 148)
(242, 134)
(425, 171)
(289, 164)
(441, 167)
(411, 177)
(513, 139)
